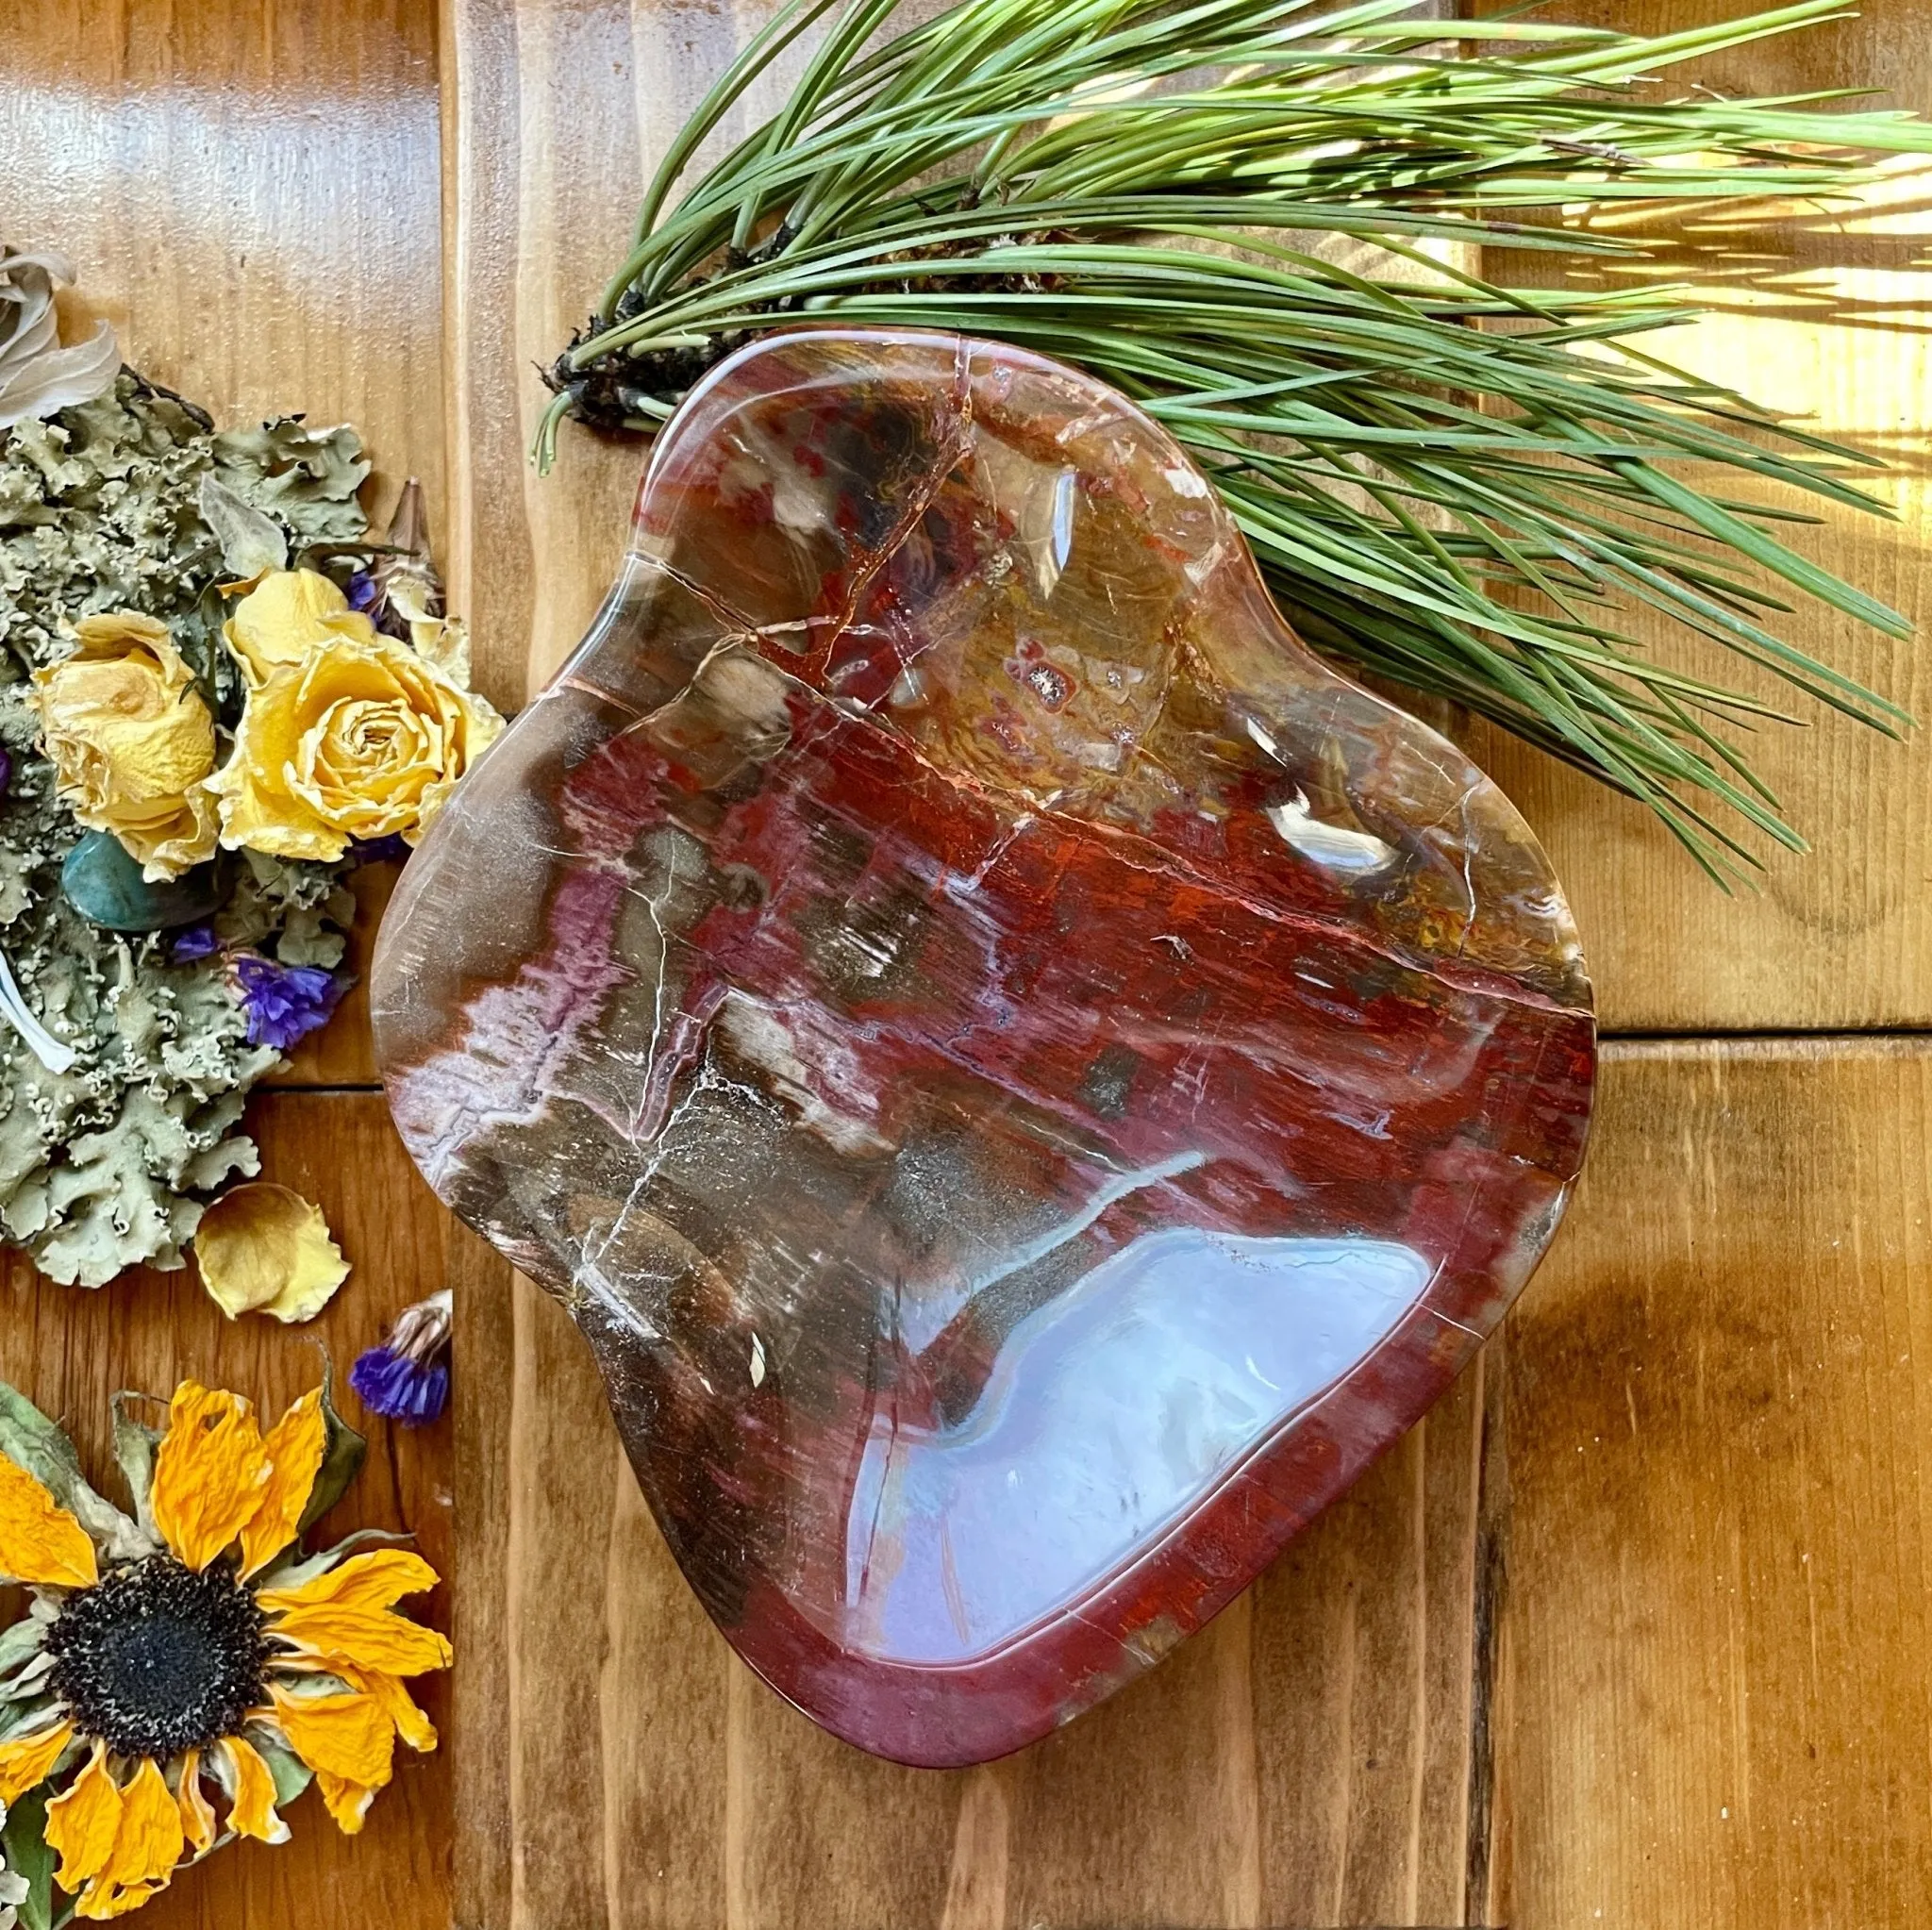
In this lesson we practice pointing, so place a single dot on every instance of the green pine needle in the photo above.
(1457, 485)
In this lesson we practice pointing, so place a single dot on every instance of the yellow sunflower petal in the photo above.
(413, 1725)
(265, 1249)
(253, 1811)
(348, 1735)
(369, 1638)
(147, 1846)
(197, 1812)
(40, 1542)
(209, 1473)
(28, 1759)
(378, 1580)
(83, 1821)
(348, 1803)
(295, 1446)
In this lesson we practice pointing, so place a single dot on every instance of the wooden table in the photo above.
(1632, 1630)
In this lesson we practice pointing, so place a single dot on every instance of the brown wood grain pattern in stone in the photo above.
(1836, 333)
(71, 1349)
(1259, 1778)
(252, 195)
(1721, 1512)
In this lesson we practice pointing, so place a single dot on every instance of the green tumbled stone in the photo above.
(105, 885)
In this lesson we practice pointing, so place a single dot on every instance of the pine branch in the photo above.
(1142, 188)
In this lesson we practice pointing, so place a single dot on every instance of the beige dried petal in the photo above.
(37, 375)
(265, 1249)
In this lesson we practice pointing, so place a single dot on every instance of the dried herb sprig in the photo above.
(1458, 484)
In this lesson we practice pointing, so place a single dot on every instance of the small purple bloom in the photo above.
(6, 771)
(394, 1386)
(362, 589)
(405, 1379)
(193, 941)
(394, 849)
(285, 1002)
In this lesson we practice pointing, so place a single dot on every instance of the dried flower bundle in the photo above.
(220, 692)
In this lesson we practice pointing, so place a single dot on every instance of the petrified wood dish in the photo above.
(1026, 1080)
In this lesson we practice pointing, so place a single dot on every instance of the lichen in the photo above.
(100, 1166)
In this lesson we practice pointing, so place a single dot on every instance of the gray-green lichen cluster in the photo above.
(100, 510)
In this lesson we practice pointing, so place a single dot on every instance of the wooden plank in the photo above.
(252, 195)
(1720, 1512)
(71, 1349)
(1842, 939)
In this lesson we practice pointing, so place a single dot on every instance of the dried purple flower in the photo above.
(363, 589)
(193, 941)
(6, 771)
(405, 1379)
(284, 1002)
(391, 850)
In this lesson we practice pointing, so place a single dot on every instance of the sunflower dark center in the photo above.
(156, 1658)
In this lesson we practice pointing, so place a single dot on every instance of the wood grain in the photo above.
(1721, 1514)
(71, 1349)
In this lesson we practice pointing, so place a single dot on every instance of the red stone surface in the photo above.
(1026, 1079)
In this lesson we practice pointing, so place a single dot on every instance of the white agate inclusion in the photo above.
(1110, 1413)
(1335, 845)
(1331, 845)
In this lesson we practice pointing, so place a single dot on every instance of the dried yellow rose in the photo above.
(356, 741)
(131, 741)
(265, 1249)
(287, 615)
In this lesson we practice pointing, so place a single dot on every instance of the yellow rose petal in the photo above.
(132, 740)
(285, 616)
(265, 1249)
(355, 741)
(40, 1542)
(29, 1759)
(211, 1472)
(295, 1446)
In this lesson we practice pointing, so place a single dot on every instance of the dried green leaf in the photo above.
(25, 1839)
(342, 1458)
(251, 541)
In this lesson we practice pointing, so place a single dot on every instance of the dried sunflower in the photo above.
(194, 1645)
